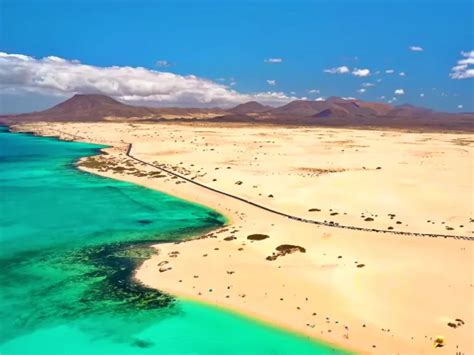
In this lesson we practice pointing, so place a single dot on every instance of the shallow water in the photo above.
(69, 244)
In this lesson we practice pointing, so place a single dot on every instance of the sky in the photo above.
(221, 53)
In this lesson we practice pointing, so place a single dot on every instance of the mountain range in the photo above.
(333, 112)
(95, 107)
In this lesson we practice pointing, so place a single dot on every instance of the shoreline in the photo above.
(269, 324)
(232, 211)
(110, 301)
(228, 223)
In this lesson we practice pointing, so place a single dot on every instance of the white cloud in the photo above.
(422, 95)
(273, 60)
(271, 82)
(349, 98)
(382, 97)
(469, 58)
(55, 76)
(267, 98)
(320, 99)
(402, 73)
(389, 71)
(367, 85)
(361, 72)
(345, 70)
(338, 70)
(460, 106)
(314, 91)
(163, 64)
(361, 91)
(399, 92)
(416, 48)
(463, 69)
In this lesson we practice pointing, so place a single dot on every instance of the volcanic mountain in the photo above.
(332, 107)
(250, 107)
(333, 112)
(92, 107)
(340, 112)
(96, 107)
(301, 108)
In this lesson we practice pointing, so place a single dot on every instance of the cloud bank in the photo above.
(464, 68)
(54, 76)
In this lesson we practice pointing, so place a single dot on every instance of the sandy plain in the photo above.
(371, 292)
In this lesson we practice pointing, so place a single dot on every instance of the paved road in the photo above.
(296, 218)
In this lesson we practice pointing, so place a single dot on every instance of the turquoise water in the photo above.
(69, 244)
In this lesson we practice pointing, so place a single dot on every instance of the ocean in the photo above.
(70, 242)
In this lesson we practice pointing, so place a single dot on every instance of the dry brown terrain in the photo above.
(332, 112)
(372, 292)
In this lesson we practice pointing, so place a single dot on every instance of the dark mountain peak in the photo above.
(301, 108)
(332, 112)
(91, 97)
(250, 107)
(88, 107)
(252, 103)
(90, 100)
(97, 107)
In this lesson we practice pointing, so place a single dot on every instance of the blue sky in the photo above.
(227, 43)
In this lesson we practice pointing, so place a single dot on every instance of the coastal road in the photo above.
(296, 218)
